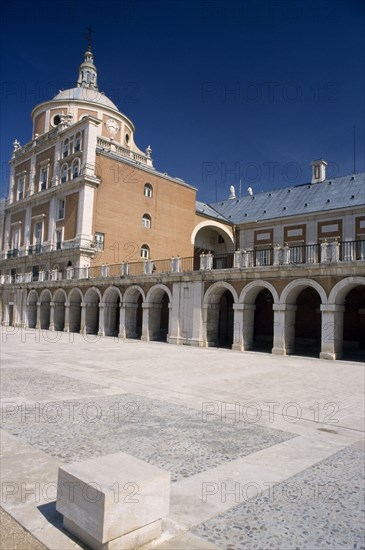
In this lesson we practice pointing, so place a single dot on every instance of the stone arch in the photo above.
(215, 291)
(341, 289)
(215, 237)
(258, 297)
(45, 299)
(304, 300)
(59, 300)
(249, 293)
(75, 299)
(92, 300)
(294, 288)
(112, 299)
(347, 299)
(158, 300)
(133, 299)
(218, 314)
(156, 291)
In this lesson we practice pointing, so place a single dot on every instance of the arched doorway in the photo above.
(307, 329)
(133, 300)
(74, 300)
(59, 310)
(225, 321)
(92, 301)
(354, 325)
(263, 321)
(45, 299)
(112, 301)
(218, 308)
(215, 238)
(32, 309)
(158, 315)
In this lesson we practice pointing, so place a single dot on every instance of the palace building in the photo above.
(95, 240)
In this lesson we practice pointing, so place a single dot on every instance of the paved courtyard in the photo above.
(264, 451)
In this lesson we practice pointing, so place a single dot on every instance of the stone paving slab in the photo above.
(322, 507)
(172, 383)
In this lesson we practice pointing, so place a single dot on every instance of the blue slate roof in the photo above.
(207, 210)
(341, 192)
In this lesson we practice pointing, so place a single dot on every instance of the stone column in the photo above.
(145, 322)
(237, 327)
(210, 324)
(197, 314)
(38, 323)
(122, 331)
(101, 331)
(174, 316)
(332, 331)
(284, 328)
(83, 318)
(51, 315)
(248, 320)
(6, 315)
(66, 328)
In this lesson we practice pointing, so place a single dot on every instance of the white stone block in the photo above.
(109, 497)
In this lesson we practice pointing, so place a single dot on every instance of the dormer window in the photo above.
(75, 168)
(66, 148)
(77, 143)
(64, 170)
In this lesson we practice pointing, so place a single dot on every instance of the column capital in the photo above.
(329, 308)
(284, 307)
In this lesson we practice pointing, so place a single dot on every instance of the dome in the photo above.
(88, 95)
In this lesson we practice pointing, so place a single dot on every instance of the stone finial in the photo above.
(148, 152)
(16, 145)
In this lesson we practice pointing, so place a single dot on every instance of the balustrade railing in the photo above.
(323, 253)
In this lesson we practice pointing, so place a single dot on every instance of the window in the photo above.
(16, 238)
(66, 148)
(145, 251)
(99, 241)
(148, 192)
(64, 170)
(38, 231)
(58, 239)
(127, 138)
(75, 168)
(43, 178)
(56, 120)
(146, 221)
(77, 143)
(61, 209)
(20, 188)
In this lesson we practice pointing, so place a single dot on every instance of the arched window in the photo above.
(148, 191)
(64, 173)
(75, 169)
(146, 221)
(77, 142)
(145, 251)
(66, 148)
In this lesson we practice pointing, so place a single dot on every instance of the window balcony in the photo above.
(13, 253)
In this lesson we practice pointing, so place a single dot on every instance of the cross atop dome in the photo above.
(87, 71)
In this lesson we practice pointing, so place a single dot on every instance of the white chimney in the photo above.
(318, 170)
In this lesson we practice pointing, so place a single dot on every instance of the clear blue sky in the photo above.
(222, 91)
